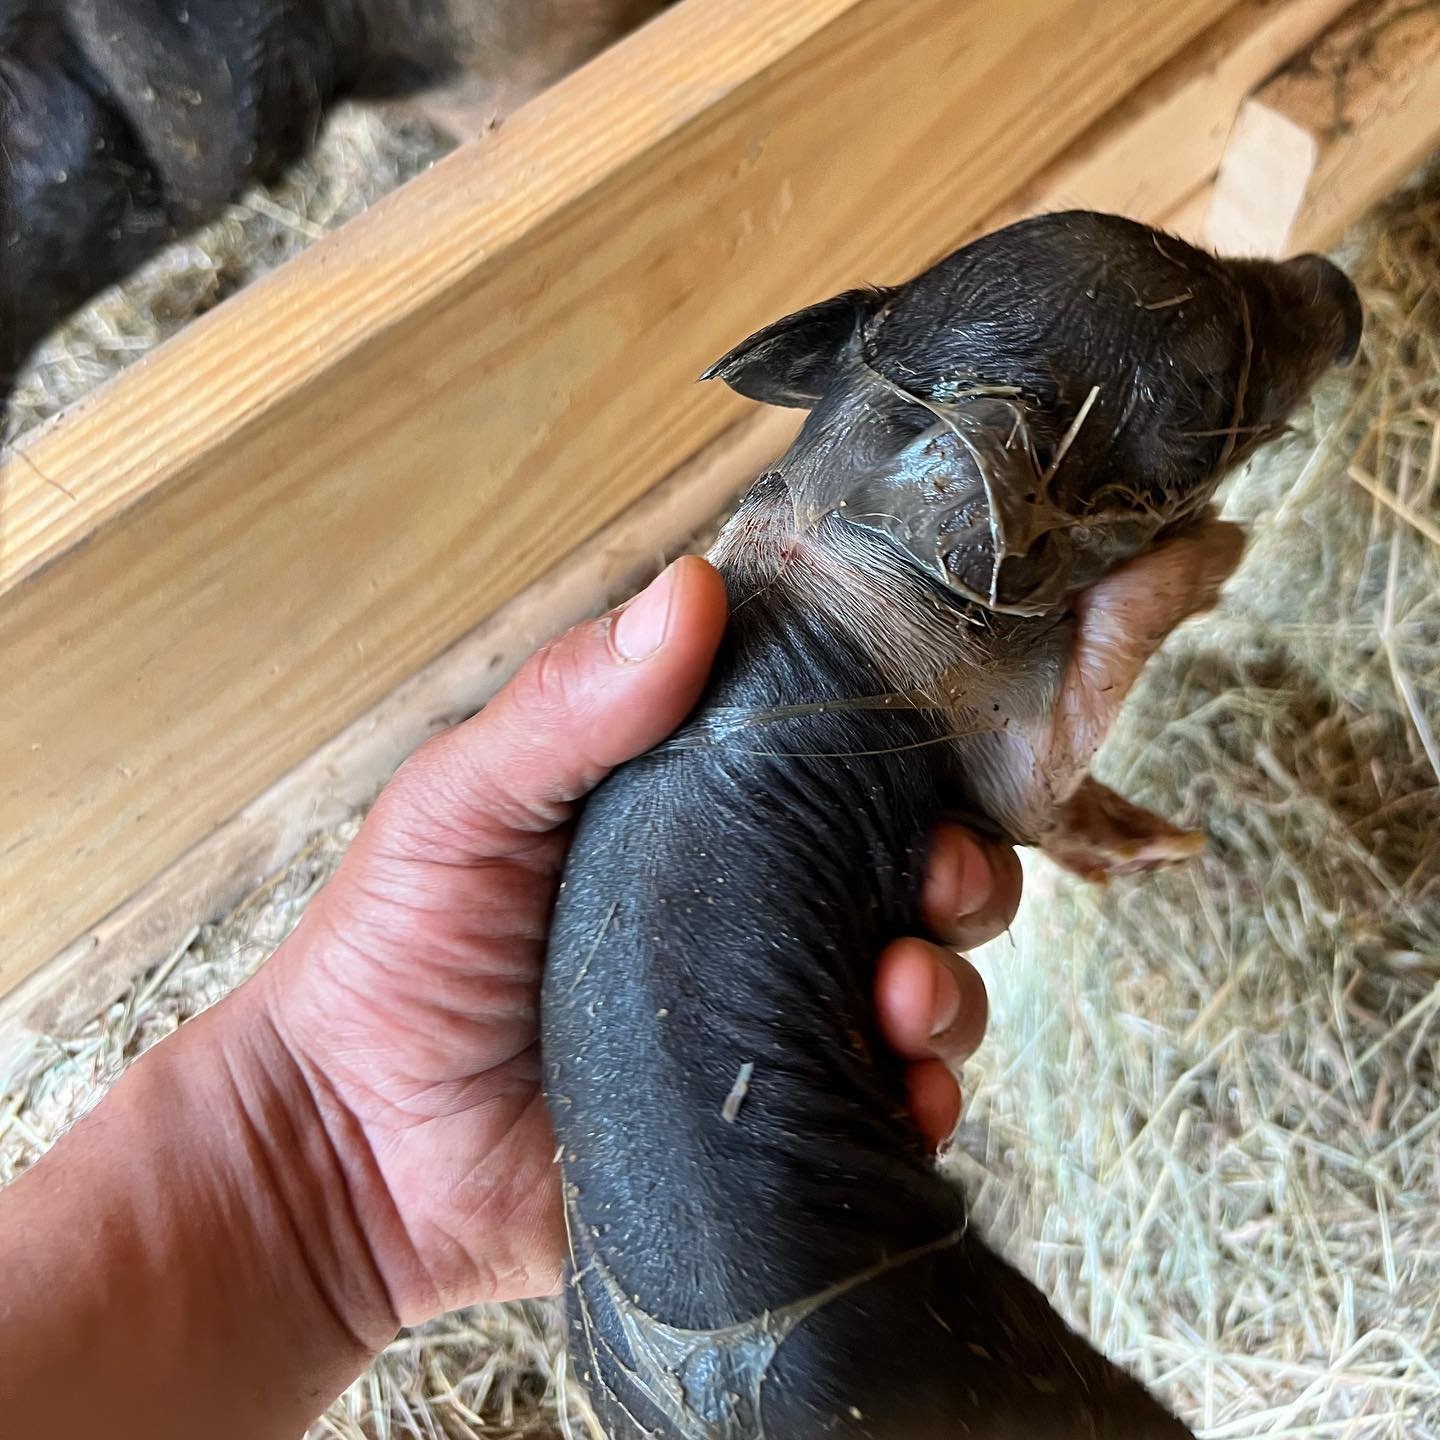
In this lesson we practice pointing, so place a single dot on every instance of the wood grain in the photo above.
(1190, 219)
(346, 772)
(1161, 143)
(1332, 133)
(252, 536)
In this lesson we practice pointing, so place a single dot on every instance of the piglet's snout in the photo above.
(1331, 289)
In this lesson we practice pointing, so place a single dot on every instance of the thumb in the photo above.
(598, 695)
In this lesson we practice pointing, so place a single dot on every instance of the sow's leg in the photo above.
(126, 122)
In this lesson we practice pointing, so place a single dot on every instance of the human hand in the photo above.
(356, 1138)
(409, 994)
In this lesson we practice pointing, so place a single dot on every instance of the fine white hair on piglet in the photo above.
(910, 638)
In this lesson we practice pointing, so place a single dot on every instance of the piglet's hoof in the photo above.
(1099, 834)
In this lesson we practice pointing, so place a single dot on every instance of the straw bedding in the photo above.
(1207, 1116)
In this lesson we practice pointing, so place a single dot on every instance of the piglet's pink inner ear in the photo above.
(792, 361)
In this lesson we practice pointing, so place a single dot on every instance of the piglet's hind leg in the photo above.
(1098, 833)
(1094, 832)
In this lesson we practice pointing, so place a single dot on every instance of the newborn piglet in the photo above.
(761, 1244)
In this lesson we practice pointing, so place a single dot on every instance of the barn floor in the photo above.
(1207, 1116)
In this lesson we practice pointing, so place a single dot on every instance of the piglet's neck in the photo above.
(852, 617)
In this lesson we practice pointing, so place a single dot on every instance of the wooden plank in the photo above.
(253, 536)
(1154, 149)
(1190, 219)
(345, 773)
(1332, 133)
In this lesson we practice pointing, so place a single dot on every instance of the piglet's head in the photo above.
(1048, 400)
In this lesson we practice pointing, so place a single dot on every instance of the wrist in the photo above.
(315, 1193)
(194, 1230)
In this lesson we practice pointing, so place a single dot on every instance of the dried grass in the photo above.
(1207, 1117)
(1208, 1113)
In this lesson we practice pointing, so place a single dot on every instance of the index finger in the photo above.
(972, 887)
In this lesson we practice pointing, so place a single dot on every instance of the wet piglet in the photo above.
(761, 1244)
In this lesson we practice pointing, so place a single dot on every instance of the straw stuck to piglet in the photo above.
(916, 633)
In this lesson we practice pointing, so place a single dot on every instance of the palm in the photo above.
(417, 998)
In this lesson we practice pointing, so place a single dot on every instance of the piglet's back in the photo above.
(760, 1244)
(763, 1247)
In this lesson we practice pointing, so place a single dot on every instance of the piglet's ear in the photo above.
(792, 361)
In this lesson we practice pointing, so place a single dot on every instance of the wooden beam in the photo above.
(1164, 141)
(1332, 133)
(251, 537)
(345, 773)
(1190, 219)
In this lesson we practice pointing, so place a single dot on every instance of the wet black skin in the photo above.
(727, 895)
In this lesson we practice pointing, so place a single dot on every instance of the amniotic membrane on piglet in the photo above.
(982, 443)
